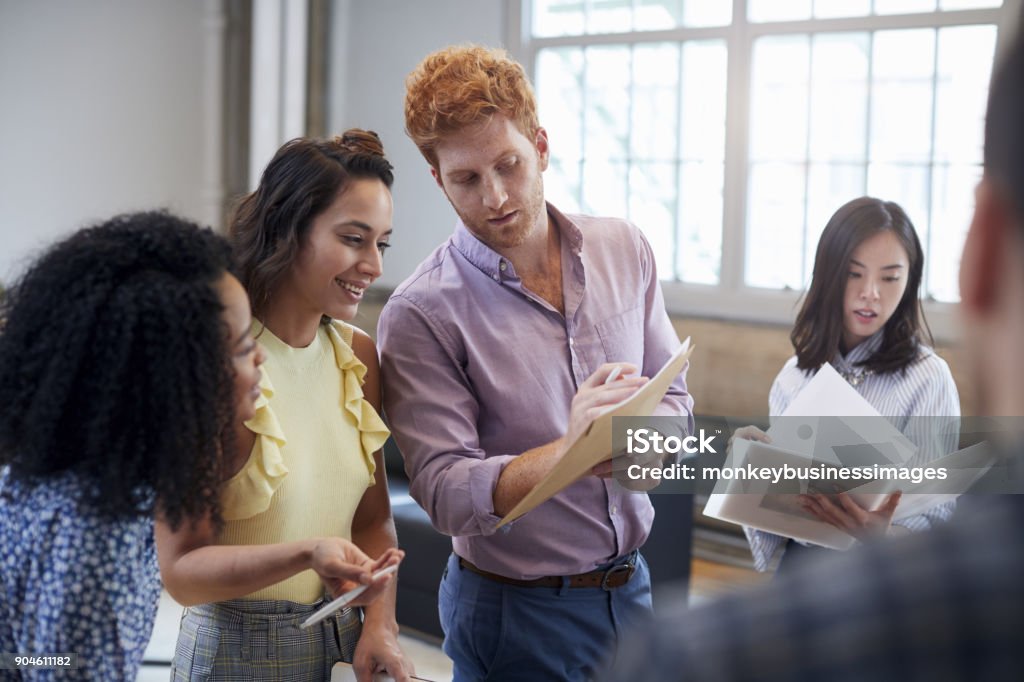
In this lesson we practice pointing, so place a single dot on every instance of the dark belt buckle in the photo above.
(626, 568)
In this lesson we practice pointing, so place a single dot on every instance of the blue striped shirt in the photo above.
(926, 389)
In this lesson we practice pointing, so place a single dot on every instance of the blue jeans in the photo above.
(503, 632)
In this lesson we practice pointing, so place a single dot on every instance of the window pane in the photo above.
(778, 10)
(904, 55)
(775, 225)
(707, 12)
(604, 188)
(606, 119)
(557, 17)
(907, 185)
(703, 101)
(655, 15)
(901, 122)
(829, 186)
(652, 207)
(560, 99)
(839, 89)
(825, 9)
(903, 6)
(702, 150)
(699, 254)
(965, 62)
(779, 100)
(901, 104)
(562, 184)
(655, 121)
(952, 209)
(609, 16)
(559, 83)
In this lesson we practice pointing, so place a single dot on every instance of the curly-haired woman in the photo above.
(126, 368)
(310, 241)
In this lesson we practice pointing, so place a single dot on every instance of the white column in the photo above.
(278, 106)
(212, 189)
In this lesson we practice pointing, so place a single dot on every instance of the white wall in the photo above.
(380, 42)
(103, 111)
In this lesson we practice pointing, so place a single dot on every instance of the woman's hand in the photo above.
(342, 566)
(850, 517)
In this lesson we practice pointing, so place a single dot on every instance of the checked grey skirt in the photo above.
(247, 640)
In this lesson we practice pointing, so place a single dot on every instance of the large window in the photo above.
(730, 130)
(639, 131)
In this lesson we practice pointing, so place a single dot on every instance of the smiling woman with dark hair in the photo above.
(308, 498)
(126, 368)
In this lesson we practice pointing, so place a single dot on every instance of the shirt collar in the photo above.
(496, 266)
(483, 257)
(862, 352)
(570, 231)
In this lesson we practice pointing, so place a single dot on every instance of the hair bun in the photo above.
(359, 141)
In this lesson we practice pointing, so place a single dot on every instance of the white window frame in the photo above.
(732, 299)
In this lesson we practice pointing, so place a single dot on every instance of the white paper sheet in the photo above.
(809, 425)
(810, 432)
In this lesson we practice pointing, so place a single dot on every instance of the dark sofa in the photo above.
(667, 549)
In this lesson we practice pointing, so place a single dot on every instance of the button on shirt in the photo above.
(477, 370)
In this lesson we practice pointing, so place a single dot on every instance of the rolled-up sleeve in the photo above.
(432, 412)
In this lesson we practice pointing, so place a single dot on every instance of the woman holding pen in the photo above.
(310, 497)
(862, 313)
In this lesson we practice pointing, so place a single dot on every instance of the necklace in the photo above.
(855, 377)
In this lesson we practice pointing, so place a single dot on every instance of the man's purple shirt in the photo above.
(477, 369)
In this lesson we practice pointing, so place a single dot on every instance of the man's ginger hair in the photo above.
(463, 85)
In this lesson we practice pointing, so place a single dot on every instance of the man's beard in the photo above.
(514, 234)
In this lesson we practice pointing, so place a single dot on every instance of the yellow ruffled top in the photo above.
(250, 490)
(372, 431)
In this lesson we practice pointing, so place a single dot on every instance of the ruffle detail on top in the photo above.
(250, 491)
(372, 431)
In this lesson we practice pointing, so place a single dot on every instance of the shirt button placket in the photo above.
(577, 366)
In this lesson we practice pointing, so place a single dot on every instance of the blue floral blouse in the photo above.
(71, 582)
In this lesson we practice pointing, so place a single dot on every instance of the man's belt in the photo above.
(605, 578)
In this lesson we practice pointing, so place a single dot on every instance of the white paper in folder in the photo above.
(810, 426)
(810, 435)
